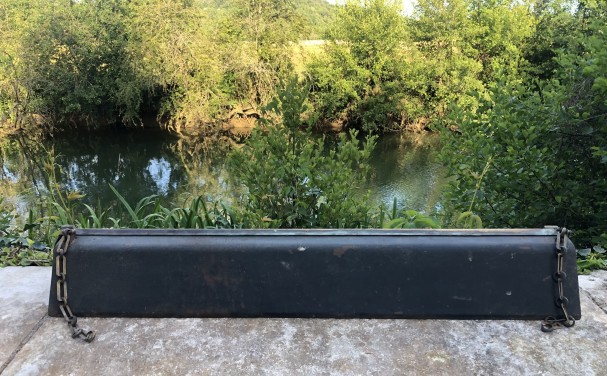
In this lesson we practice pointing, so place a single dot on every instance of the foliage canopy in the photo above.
(543, 143)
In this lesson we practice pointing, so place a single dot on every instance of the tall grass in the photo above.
(148, 212)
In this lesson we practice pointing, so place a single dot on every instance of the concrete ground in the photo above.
(31, 343)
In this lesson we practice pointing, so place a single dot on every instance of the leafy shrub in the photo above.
(541, 152)
(591, 259)
(16, 245)
(296, 180)
(360, 78)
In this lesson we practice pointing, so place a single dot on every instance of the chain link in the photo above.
(551, 323)
(61, 247)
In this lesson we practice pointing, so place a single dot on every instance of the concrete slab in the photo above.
(596, 286)
(317, 346)
(23, 304)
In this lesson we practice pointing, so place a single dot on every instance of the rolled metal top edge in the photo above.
(548, 231)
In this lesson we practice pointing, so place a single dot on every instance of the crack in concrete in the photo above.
(23, 342)
(595, 301)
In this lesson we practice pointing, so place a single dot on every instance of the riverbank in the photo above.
(33, 343)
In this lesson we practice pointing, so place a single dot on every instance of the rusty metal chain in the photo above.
(551, 323)
(61, 248)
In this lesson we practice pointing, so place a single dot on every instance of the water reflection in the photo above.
(136, 163)
(146, 162)
(405, 168)
(160, 172)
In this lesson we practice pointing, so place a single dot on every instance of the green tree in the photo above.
(464, 44)
(187, 62)
(543, 152)
(554, 23)
(504, 26)
(80, 69)
(257, 37)
(317, 14)
(173, 51)
(360, 80)
(17, 99)
(445, 33)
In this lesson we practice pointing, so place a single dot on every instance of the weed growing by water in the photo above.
(17, 248)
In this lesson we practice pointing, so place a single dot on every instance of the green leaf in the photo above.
(599, 249)
(584, 252)
(29, 226)
(126, 206)
(396, 223)
(587, 130)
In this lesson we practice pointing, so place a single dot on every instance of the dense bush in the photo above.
(543, 151)
(88, 62)
(360, 79)
(192, 63)
(294, 179)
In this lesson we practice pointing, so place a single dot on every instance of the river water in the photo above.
(147, 162)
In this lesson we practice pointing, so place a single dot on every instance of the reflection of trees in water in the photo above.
(11, 161)
(23, 164)
(13, 169)
(146, 162)
(207, 174)
(137, 164)
(405, 169)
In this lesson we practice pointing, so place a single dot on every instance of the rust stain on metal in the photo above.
(338, 252)
(212, 279)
